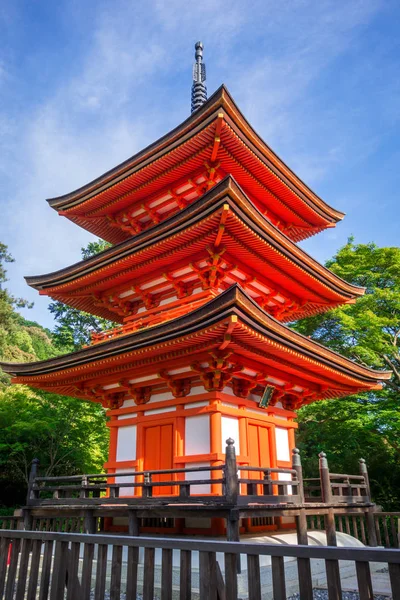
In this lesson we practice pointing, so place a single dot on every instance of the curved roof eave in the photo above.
(166, 228)
(232, 301)
(221, 98)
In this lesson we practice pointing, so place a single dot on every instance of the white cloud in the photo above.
(132, 84)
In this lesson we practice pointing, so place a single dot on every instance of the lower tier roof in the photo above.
(246, 248)
(229, 338)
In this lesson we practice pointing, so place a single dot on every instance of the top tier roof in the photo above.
(216, 140)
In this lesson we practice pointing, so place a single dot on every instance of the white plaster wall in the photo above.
(197, 404)
(126, 443)
(197, 435)
(126, 491)
(286, 477)
(282, 444)
(161, 397)
(158, 411)
(230, 429)
(203, 488)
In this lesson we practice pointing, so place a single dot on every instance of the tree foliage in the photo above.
(74, 327)
(66, 434)
(368, 331)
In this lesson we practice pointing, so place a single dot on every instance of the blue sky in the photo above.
(84, 85)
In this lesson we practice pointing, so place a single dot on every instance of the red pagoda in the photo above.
(202, 275)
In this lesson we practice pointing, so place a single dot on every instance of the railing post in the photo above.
(326, 492)
(32, 476)
(369, 513)
(231, 473)
(296, 466)
(364, 473)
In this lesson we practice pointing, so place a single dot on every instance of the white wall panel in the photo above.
(125, 491)
(230, 429)
(199, 489)
(126, 443)
(286, 477)
(282, 444)
(197, 435)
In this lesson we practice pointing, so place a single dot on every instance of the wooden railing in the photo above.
(47, 565)
(226, 484)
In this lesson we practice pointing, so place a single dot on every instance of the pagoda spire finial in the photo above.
(199, 90)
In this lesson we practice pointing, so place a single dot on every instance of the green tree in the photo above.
(74, 327)
(368, 331)
(66, 434)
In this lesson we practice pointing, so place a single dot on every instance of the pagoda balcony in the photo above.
(229, 491)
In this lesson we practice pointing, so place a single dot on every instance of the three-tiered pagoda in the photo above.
(203, 274)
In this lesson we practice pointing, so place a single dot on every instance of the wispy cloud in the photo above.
(128, 82)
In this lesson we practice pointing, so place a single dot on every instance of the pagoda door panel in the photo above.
(259, 455)
(158, 446)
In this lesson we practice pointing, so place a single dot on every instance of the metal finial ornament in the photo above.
(199, 90)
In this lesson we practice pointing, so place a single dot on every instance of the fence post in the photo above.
(369, 513)
(32, 476)
(364, 473)
(231, 473)
(326, 492)
(296, 466)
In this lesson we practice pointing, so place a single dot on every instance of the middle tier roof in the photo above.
(218, 240)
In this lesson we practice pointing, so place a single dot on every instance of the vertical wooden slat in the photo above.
(362, 527)
(305, 579)
(221, 589)
(4, 545)
(46, 569)
(73, 583)
(148, 576)
(364, 581)
(101, 572)
(59, 571)
(231, 587)
(394, 574)
(347, 523)
(212, 560)
(87, 567)
(185, 576)
(377, 531)
(386, 532)
(355, 528)
(12, 570)
(23, 569)
(393, 532)
(340, 523)
(34, 570)
(333, 579)
(166, 574)
(131, 573)
(116, 566)
(208, 575)
(278, 577)
(253, 576)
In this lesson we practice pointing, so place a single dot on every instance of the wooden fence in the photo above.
(50, 565)
(225, 484)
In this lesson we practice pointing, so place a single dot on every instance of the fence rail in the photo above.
(228, 483)
(86, 566)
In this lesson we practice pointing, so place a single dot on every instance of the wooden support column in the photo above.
(89, 521)
(133, 523)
